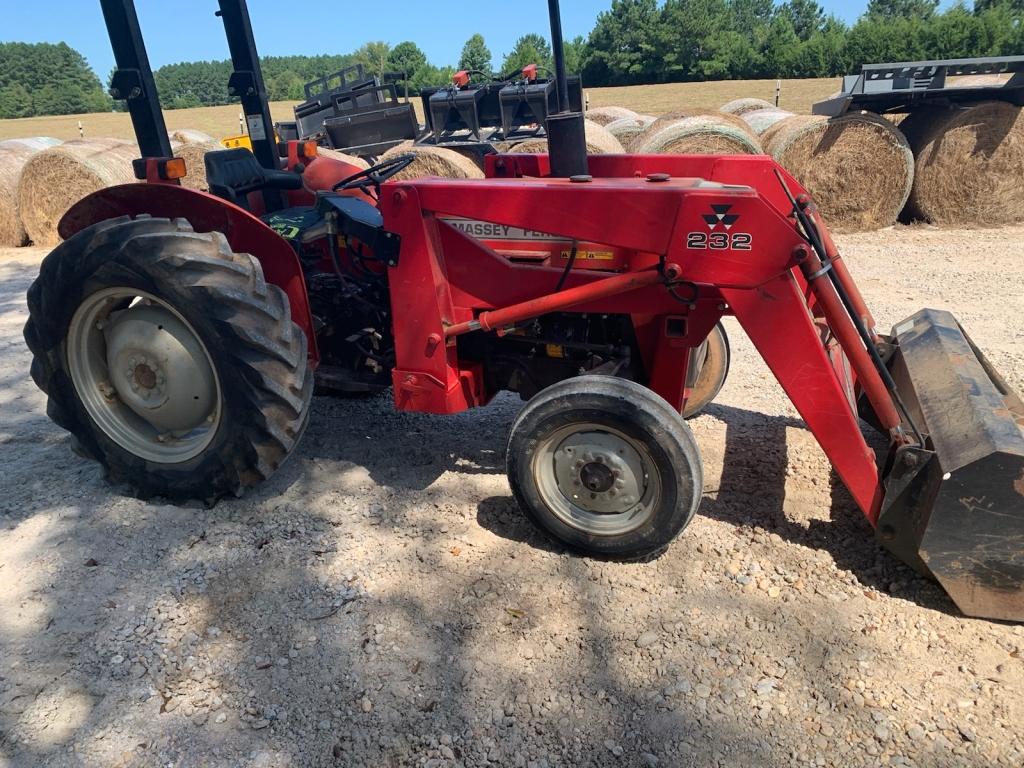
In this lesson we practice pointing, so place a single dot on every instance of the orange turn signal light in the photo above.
(461, 78)
(174, 168)
(309, 149)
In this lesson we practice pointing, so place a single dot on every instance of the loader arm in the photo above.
(452, 284)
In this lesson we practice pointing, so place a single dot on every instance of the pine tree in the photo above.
(476, 56)
(529, 49)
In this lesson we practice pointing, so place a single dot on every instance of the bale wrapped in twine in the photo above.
(55, 179)
(195, 163)
(334, 154)
(700, 135)
(626, 129)
(35, 143)
(969, 164)
(599, 142)
(433, 161)
(760, 120)
(740, 107)
(192, 136)
(857, 167)
(605, 115)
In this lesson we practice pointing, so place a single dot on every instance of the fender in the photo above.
(245, 233)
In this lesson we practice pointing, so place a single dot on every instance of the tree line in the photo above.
(634, 42)
(47, 79)
(642, 41)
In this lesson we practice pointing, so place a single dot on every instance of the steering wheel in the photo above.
(375, 175)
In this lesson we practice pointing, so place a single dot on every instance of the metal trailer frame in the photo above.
(902, 86)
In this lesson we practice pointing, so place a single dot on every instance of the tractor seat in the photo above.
(233, 173)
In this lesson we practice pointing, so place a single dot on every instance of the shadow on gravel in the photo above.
(756, 465)
(409, 451)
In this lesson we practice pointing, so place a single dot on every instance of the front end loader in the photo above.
(179, 334)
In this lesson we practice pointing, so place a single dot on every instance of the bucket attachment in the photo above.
(954, 509)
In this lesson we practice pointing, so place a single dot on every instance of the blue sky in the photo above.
(186, 30)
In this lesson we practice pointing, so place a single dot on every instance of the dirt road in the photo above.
(382, 602)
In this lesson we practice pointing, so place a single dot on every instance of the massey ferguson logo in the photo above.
(721, 216)
(716, 239)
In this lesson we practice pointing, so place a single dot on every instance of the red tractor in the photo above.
(179, 335)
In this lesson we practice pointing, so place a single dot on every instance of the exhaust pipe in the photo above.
(954, 508)
(567, 139)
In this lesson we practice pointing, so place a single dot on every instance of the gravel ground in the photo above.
(382, 602)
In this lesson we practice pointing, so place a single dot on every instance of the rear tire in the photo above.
(242, 406)
(605, 466)
(712, 374)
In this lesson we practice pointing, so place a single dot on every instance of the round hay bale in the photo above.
(626, 129)
(345, 158)
(760, 120)
(56, 178)
(433, 161)
(192, 136)
(740, 107)
(701, 135)
(858, 167)
(605, 115)
(969, 164)
(35, 143)
(13, 157)
(708, 116)
(599, 142)
(195, 164)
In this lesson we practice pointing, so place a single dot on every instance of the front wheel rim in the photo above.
(144, 375)
(596, 479)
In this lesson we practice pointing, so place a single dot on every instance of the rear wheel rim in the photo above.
(596, 479)
(144, 375)
(712, 374)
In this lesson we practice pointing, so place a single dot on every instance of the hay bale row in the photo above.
(740, 107)
(857, 167)
(969, 164)
(760, 120)
(433, 161)
(191, 136)
(194, 156)
(698, 134)
(334, 154)
(14, 155)
(626, 129)
(35, 143)
(604, 115)
(710, 117)
(56, 178)
(599, 142)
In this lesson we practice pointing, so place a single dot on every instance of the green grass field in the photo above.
(796, 96)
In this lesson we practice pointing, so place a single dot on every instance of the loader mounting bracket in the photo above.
(912, 475)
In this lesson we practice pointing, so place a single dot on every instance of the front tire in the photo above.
(605, 466)
(168, 358)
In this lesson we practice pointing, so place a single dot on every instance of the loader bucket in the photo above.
(955, 509)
